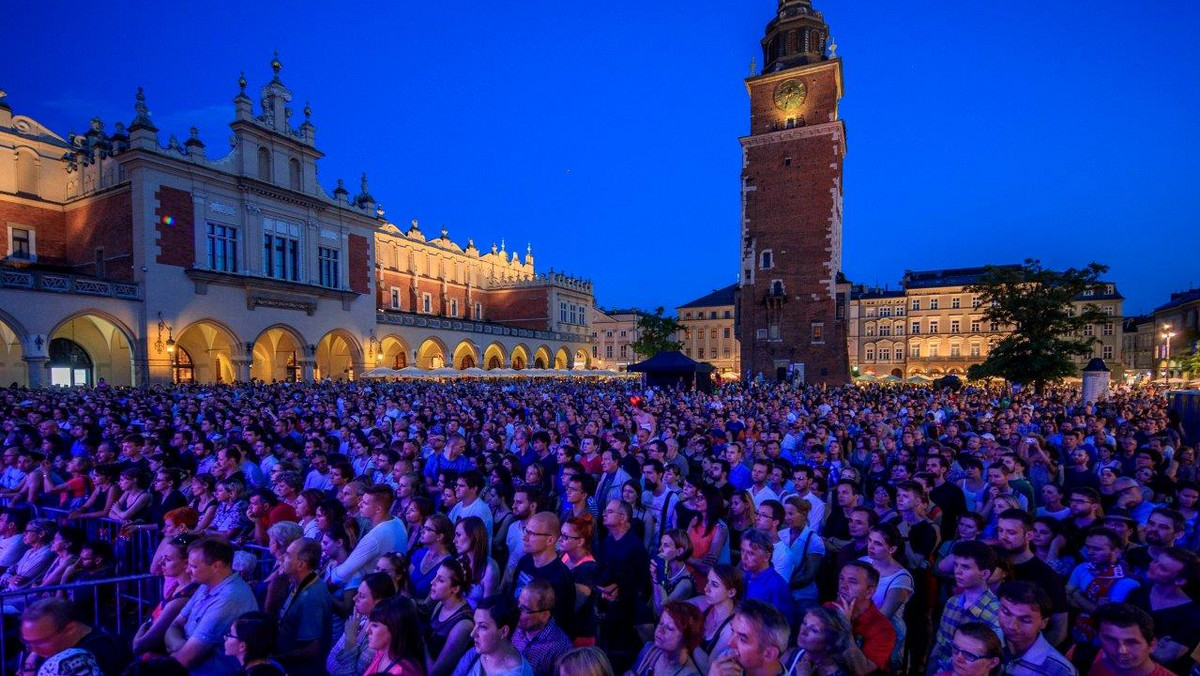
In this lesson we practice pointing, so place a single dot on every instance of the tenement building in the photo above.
(614, 331)
(933, 326)
(788, 319)
(134, 260)
(708, 331)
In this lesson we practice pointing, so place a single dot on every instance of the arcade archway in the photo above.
(12, 364)
(582, 361)
(431, 355)
(278, 355)
(562, 359)
(338, 355)
(211, 348)
(493, 357)
(394, 352)
(541, 358)
(91, 348)
(520, 357)
(465, 356)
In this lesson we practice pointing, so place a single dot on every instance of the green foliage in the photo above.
(656, 333)
(1038, 307)
(1188, 360)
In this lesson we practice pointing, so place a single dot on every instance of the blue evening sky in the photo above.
(605, 133)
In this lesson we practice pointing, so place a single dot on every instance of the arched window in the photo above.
(264, 164)
(294, 174)
(184, 369)
(70, 364)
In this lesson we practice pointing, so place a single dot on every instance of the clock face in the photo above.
(790, 94)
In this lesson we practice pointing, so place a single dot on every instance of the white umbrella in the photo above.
(381, 372)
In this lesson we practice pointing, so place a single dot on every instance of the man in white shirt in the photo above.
(467, 489)
(387, 534)
(802, 476)
(526, 502)
(759, 490)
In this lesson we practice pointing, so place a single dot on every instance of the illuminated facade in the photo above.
(709, 332)
(614, 332)
(133, 261)
(933, 326)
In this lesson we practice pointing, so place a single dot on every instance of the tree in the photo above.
(1188, 361)
(1039, 307)
(656, 333)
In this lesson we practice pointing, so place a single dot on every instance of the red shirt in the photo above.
(873, 634)
(1101, 668)
(281, 512)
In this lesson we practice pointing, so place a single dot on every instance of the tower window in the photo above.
(768, 260)
(787, 161)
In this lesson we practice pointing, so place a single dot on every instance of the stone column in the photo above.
(37, 371)
(306, 369)
(241, 368)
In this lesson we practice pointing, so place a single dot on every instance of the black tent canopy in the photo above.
(672, 369)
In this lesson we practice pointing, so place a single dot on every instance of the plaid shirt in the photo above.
(986, 609)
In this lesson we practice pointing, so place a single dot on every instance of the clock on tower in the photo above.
(791, 316)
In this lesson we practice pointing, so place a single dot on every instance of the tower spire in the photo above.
(795, 37)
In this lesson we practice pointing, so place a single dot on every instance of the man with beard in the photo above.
(1162, 528)
(658, 499)
(947, 496)
(1014, 533)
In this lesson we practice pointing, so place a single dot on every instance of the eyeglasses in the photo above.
(570, 537)
(231, 635)
(968, 656)
(544, 535)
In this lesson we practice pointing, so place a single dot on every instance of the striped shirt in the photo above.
(985, 609)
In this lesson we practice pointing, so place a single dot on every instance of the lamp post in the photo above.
(1167, 335)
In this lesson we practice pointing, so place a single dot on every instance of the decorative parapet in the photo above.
(551, 278)
(487, 328)
(59, 283)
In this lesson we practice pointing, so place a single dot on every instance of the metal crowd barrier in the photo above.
(117, 604)
(133, 553)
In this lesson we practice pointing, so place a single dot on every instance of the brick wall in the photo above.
(176, 241)
(360, 264)
(792, 209)
(104, 222)
(46, 223)
(523, 308)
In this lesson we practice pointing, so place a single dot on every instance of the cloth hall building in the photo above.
(135, 261)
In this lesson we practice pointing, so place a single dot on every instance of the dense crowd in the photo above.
(535, 528)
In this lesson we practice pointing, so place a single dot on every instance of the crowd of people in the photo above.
(545, 527)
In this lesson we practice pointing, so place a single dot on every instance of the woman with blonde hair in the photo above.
(584, 661)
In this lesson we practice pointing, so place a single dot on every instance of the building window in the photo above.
(899, 310)
(479, 317)
(914, 350)
(975, 350)
(995, 326)
(687, 351)
(427, 303)
(954, 303)
(1108, 329)
(818, 333)
(916, 328)
(624, 351)
(20, 244)
(395, 298)
(760, 334)
(1108, 352)
(885, 312)
(933, 349)
(687, 315)
(899, 329)
(767, 260)
(294, 174)
(453, 307)
(725, 333)
(608, 351)
(933, 303)
(933, 326)
(870, 329)
(281, 250)
(327, 267)
(222, 248)
(1109, 310)
(728, 314)
(773, 332)
(974, 327)
(916, 303)
(1110, 290)
(885, 329)
(974, 303)
(623, 334)
(870, 354)
(955, 350)
(954, 326)
(99, 263)
(1089, 330)
(562, 312)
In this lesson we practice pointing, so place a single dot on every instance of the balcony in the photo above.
(53, 282)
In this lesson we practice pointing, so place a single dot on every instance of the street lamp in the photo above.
(1167, 335)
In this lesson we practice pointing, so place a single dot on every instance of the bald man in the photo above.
(541, 562)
